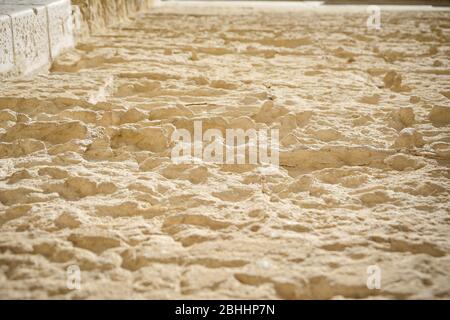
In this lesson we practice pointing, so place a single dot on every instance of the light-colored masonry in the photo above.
(93, 206)
(238, 147)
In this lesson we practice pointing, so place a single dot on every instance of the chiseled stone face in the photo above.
(31, 43)
(33, 32)
(93, 204)
(60, 26)
(30, 38)
(6, 44)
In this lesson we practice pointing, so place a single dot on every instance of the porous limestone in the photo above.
(87, 181)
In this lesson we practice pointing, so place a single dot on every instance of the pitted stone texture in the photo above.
(60, 26)
(97, 15)
(88, 179)
(6, 44)
(41, 30)
(33, 32)
(31, 44)
(45, 28)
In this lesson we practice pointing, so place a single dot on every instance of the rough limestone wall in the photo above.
(92, 16)
(34, 32)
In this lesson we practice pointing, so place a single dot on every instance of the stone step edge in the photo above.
(33, 33)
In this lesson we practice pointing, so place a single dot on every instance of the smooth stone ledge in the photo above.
(32, 34)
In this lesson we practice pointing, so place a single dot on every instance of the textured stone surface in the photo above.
(42, 29)
(60, 26)
(6, 44)
(30, 37)
(87, 179)
(96, 15)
